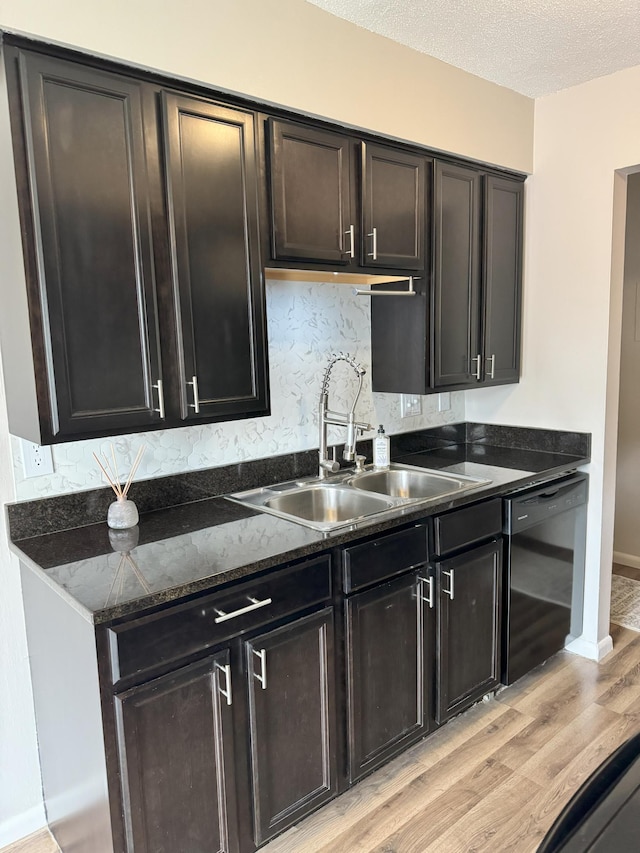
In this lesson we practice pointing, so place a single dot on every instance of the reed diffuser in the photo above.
(122, 512)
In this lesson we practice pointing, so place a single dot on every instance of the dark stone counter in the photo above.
(203, 541)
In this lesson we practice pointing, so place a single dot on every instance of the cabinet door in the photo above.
(292, 721)
(389, 655)
(393, 207)
(176, 759)
(213, 216)
(502, 279)
(456, 314)
(310, 174)
(92, 308)
(469, 627)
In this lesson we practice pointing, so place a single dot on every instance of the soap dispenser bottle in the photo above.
(381, 451)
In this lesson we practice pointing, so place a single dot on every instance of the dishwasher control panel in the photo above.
(532, 506)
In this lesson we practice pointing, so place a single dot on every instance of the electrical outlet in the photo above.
(444, 401)
(36, 460)
(410, 405)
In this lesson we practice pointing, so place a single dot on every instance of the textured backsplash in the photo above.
(306, 324)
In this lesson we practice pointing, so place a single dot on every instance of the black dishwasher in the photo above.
(545, 530)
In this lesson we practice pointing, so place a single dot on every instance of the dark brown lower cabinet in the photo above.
(176, 742)
(469, 627)
(292, 721)
(223, 720)
(389, 666)
(176, 761)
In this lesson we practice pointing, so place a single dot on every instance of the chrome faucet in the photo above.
(326, 417)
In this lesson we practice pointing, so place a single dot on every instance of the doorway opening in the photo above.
(625, 588)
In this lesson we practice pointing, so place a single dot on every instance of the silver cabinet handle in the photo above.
(449, 591)
(160, 409)
(478, 369)
(374, 244)
(429, 582)
(491, 358)
(351, 251)
(262, 678)
(226, 669)
(254, 605)
(196, 398)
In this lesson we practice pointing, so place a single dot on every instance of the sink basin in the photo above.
(411, 483)
(351, 497)
(327, 504)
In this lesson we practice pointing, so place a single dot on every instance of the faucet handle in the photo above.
(360, 460)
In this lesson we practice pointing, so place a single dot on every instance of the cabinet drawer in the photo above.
(467, 526)
(164, 638)
(383, 558)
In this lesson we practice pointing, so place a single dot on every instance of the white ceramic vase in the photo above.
(122, 513)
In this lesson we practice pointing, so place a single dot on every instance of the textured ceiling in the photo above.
(533, 46)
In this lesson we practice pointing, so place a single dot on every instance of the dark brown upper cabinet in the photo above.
(145, 298)
(317, 188)
(393, 208)
(85, 193)
(464, 330)
(477, 280)
(311, 205)
(215, 263)
(502, 279)
(457, 268)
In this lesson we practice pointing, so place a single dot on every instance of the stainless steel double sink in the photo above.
(351, 496)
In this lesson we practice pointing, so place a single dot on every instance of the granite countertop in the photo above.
(205, 540)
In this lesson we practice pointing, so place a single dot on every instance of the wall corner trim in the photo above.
(591, 650)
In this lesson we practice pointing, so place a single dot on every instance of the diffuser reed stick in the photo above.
(110, 471)
(134, 468)
(115, 488)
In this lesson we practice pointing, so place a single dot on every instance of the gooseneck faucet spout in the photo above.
(326, 417)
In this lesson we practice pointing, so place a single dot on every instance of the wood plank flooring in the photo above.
(493, 779)
(626, 571)
(40, 842)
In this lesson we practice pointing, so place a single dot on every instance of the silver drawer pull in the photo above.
(477, 373)
(262, 678)
(351, 251)
(255, 605)
(429, 582)
(159, 388)
(374, 244)
(449, 591)
(226, 668)
(196, 396)
(492, 359)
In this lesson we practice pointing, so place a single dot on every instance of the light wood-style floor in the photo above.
(626, 571)
(41, 842)
(490, 781)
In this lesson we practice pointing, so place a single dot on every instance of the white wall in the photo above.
(21, 810)
(283, 51)
(586, 139)
(627, 530)
(292, 53)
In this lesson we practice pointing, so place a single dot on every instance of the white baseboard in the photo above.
(589, 649)
(626, 559)
(21, 825)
